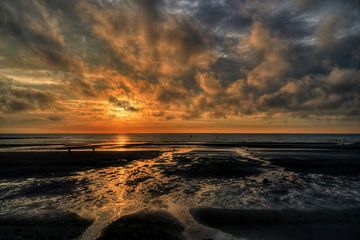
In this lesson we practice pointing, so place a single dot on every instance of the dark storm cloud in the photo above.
(310, 59)
(315, 5)
(289, 25)
(56, 118)
(147, 39)
(235, 16)
(318, 94)
(281, 42)
(17, 99)
(37, 27)
(125, 105)
(227, 70)
(345, 52)
(214, 13)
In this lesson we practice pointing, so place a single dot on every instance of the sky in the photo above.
(180, 66)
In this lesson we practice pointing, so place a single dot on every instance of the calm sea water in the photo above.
(44, 142)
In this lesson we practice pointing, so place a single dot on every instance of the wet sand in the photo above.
(217, 164)
(52, 165)
(205, 174)
(145, 225)
(321, 161)
(287, 224)
(54, 226)
(47, 164)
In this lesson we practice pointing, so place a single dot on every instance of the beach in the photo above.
(181, 190)
(45, 164)
(179, 120)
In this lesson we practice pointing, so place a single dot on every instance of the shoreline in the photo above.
(258, 144)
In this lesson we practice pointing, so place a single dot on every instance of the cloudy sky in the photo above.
(179, 66)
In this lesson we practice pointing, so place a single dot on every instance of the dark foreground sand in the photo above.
(52, 226)
(145, 225)
(47, 164)
(50, 165)
(199, 164)
(252, 224)
(289, 224)
(323, 161)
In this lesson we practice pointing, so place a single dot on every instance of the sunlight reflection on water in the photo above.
(177, 181)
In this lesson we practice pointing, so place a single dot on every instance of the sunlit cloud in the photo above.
(167, 64)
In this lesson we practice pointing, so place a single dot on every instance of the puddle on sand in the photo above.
(177, 181)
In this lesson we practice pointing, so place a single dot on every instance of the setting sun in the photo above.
(180, 119)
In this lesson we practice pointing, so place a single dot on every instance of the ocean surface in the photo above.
(54, 142)
(193, 170)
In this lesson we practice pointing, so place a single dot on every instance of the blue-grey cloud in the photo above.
(196, 59)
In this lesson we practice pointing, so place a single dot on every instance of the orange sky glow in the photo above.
(179, 66)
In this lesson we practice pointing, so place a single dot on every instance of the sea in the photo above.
(115, 142)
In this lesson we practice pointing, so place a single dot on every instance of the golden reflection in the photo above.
(122, 140)
(117, 191)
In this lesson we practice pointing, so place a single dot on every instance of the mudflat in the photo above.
(45, 164)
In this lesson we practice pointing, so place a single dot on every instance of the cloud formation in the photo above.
(182, 60)
(15, 98)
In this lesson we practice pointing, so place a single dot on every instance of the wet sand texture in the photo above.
(214, 166)
(59, 226)
(145, 225)
(330, 162)
(290, 224)
(47, 164)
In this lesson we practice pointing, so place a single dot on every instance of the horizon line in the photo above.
(279, 133)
